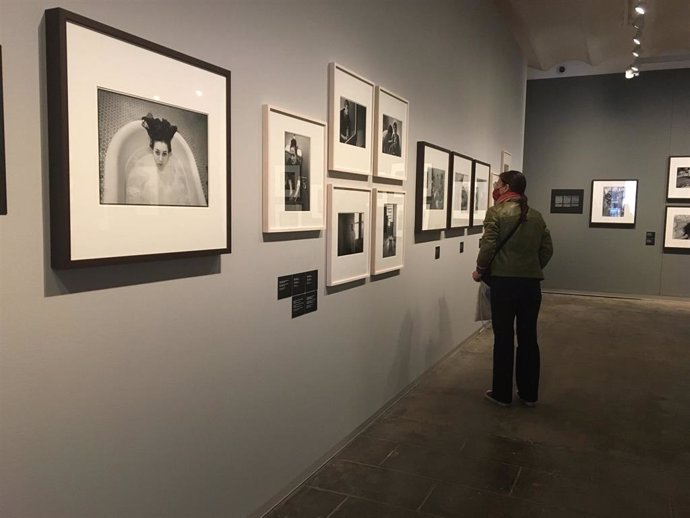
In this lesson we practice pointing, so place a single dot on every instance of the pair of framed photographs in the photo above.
(366, 232)
(368, 127)
(452, 189)
(677, 220)
(139, 158)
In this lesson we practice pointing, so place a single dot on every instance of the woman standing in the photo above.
(515, 247)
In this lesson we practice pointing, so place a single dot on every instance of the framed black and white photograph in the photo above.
(678, 178)
(391, 130)
(614, 203)
(3, 173)
(350, 122)
(677, 230)
(481, 186)
(432, 187)
(388, 231)
(349, 234)
(567, 201)
(139, 159)
(460, 194)
(294, 170)
(506, 161)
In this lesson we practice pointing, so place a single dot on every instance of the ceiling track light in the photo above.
(641, 8)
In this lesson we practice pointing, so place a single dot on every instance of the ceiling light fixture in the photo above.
(637, 40)
(641, 8)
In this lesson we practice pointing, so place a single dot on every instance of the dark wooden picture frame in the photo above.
(676, 193)
(684, 212)
(487, 191)
(3, 170)
(451, 190)
(566, 205)
(132, 232)
(600, 221)
(440, 221)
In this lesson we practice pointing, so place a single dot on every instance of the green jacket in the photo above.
(526, 252)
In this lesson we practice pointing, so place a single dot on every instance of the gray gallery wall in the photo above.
(184, 388)
(600, 127)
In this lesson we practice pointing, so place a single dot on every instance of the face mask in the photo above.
(496, 194)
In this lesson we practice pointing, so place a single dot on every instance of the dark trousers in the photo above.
(515, 298)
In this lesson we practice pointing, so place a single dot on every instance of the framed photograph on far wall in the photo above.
(294, 171)
(506, 161)
(432, 187)
(614, 203)
(390, 135)
(678, 178)
(388, 231)
(350, 121)
(348, 230)
(460, 191)
(3, 174)
(677, 230)
(139, 147)
(481, 186)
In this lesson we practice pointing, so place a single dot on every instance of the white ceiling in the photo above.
(598, 32)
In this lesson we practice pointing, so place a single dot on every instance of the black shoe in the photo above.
(489, 395)
(525, 402)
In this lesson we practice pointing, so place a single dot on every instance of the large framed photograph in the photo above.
(391, 130)
(349, 227)
(677, 230)
(388, 231)
(460, 192)
(481, 185)
(678, 178)
(614, 203)
(139, 147)
(3, 174)
(432, 187)
(294, 171)
(350, 125)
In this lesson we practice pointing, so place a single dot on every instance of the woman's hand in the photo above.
(475, 276)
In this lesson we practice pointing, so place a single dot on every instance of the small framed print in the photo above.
(678, 178)
(614, 203)
(506, 161)
(3, 179)
(350, 125)
(481, 176)
(388, 231)
(391, 130)
(432, 187)
(348, 229)
(677, 230)
(139, 158)
(567, 201)
(294, 171)
(460, 194)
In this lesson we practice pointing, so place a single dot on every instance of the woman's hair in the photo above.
(517, 183)
(159, 130)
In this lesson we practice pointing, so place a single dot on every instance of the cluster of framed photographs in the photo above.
(366, 137)
(452, 189)
(677, 220)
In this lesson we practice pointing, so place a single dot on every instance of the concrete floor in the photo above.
(610, 436)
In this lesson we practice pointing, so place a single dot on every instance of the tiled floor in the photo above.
(609, 438)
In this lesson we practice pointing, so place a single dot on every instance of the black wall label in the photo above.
(298, 305)
(650, 238)
(284, 287)
(311, 280)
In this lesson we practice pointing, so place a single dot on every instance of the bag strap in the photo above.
(500, 245)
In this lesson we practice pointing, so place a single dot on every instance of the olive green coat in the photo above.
(526, 252)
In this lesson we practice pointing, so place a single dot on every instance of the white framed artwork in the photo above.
(390, 135)
(388, 231)
(678, 178)
(506, 161)
(432, 187)
(614, 203)
(350, 121)
(677, 229)
(348, 230)
(294, 171)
